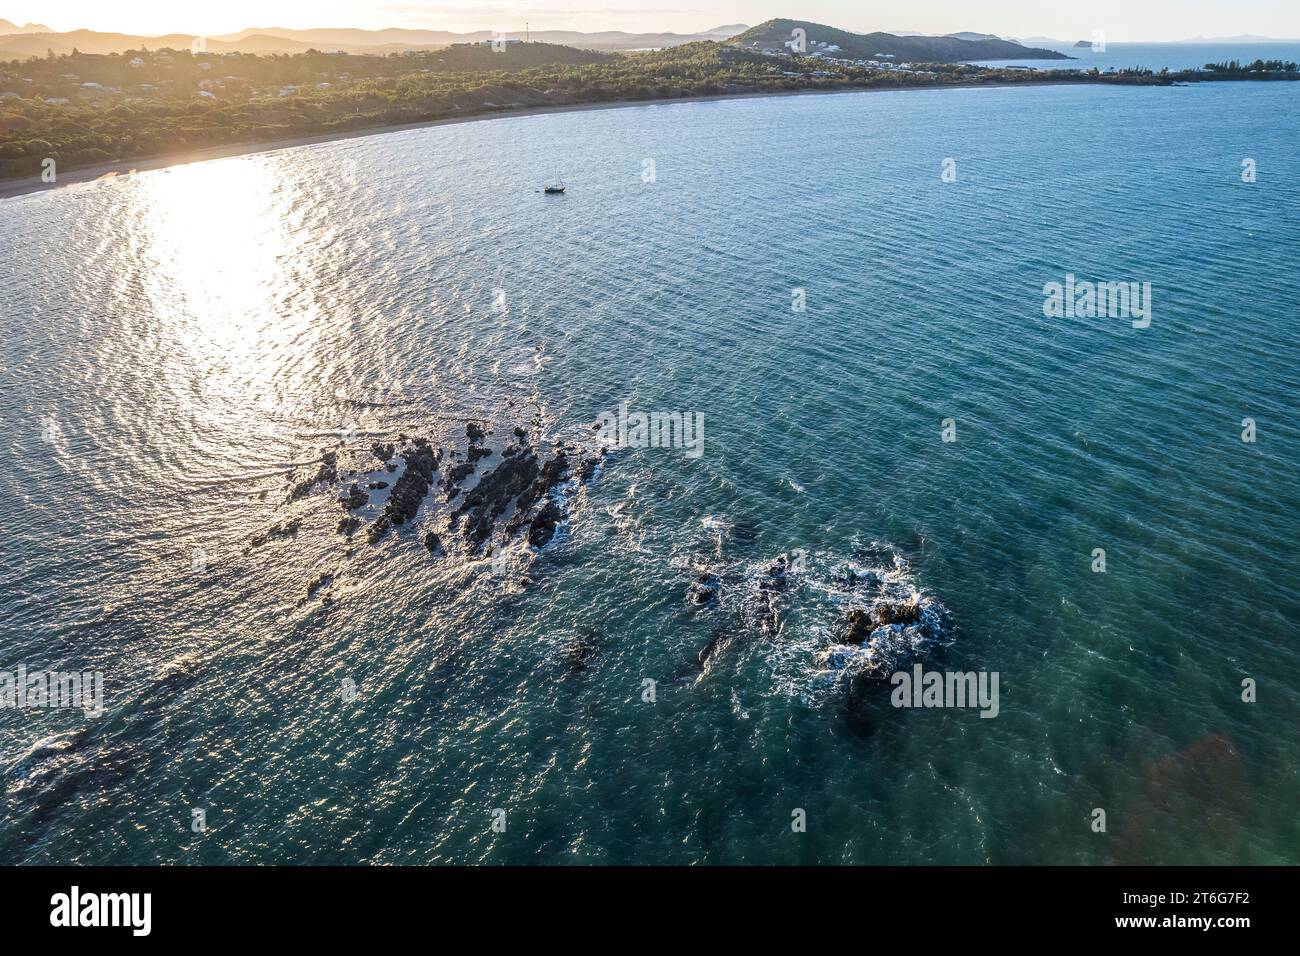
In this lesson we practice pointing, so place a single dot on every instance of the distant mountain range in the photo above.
(11, 28)
(945, 49)
(35, 40)
(961, 35)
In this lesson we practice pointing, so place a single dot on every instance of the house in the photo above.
(136, 62)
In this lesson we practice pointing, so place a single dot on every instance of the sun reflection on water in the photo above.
(220, 249)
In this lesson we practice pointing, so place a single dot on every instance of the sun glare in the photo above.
(216, 244)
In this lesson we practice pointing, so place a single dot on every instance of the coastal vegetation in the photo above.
(1261, 69)
(85, 110)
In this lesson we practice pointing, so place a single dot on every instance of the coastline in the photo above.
(11, 188)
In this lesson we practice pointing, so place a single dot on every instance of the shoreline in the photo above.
(11, 188)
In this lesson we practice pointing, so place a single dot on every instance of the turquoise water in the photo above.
(176, 341)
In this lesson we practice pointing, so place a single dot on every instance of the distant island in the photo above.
(777, 35)
(89, 110)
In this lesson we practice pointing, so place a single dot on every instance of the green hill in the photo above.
(774, 33)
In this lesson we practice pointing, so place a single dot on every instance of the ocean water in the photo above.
(1158, 56)
(178, 341)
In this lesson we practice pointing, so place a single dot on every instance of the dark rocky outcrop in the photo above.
(857, 626)
(455, 475)
(770, 585)
(549, 475)
(542, 528)
(404, 502)
(704, 590)
(848, 578)
(522, 482)
(492, 495)
(355, 498)
(326, 474)
(859, 623)
(897, 613)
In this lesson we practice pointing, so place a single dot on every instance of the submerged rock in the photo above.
(323, 581)
(285, 529)
(849, 578)
(721, 637)
(326, 474)
(704, 590)
(377, 530)
(579, 651)
(770, 585)
(434, 544)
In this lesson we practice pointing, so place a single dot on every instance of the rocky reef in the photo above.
(466, 499)
(857, 620)
(889, 622)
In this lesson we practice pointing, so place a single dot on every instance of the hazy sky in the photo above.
(1121, 19)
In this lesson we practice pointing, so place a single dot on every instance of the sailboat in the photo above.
(554, 189)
